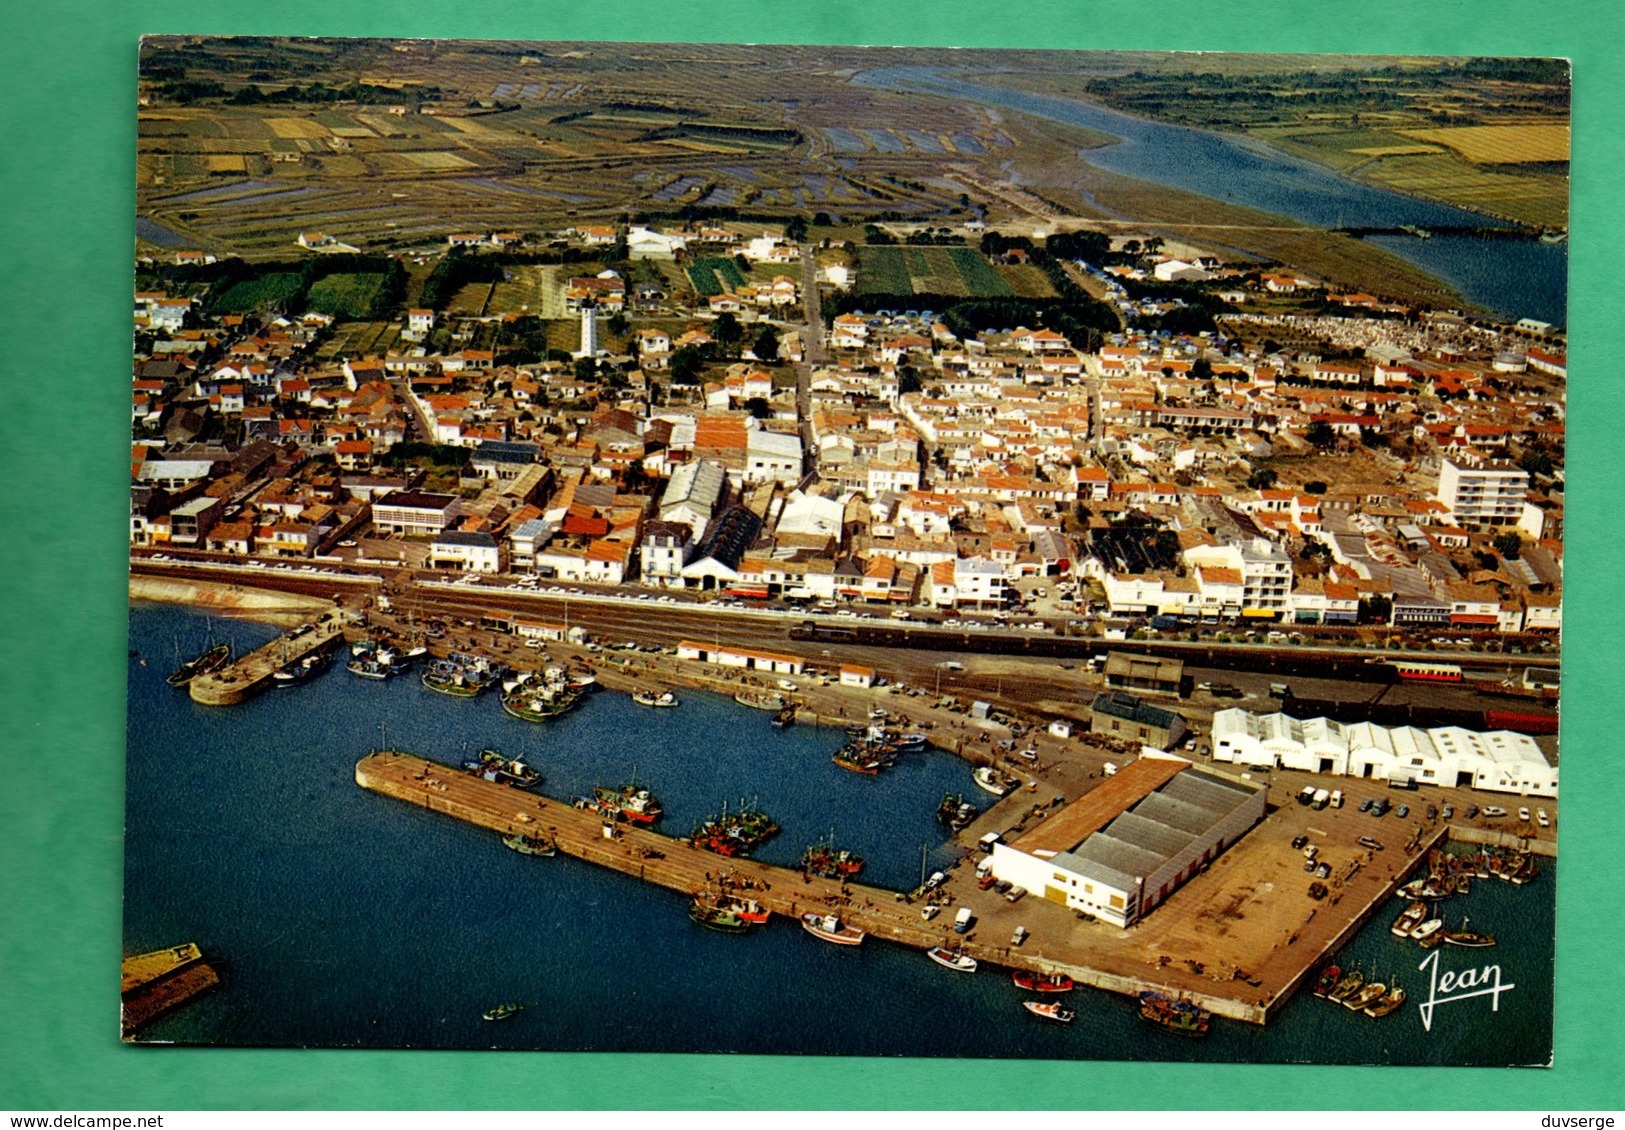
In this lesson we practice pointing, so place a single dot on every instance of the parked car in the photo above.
(1371, 842)
(1542, 819)
(1523, 814)
(1366, 804)
(1492, 811)
(1472, 811)
(1402, 811)
(1449, 810)
(1337, 798)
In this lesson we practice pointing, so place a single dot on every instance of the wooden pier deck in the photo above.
(252, 673)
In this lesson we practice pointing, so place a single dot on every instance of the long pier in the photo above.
(252, 673)
(1102, 957)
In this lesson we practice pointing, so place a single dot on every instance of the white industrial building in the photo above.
(1496, 760)
(1123, 847)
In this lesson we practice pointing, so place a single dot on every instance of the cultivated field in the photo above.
(957, 271)
(537, 290)
(1501, 145)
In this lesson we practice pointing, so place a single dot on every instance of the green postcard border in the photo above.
(66, 167)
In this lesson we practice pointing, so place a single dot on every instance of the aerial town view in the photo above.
(846, 551)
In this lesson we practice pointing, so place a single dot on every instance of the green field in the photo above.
(351, 297)
(712, 275)
(955, 271)
(259, 294)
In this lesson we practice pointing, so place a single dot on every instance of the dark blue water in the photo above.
(344, 918)
(1518, 278)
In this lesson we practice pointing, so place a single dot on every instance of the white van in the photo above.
(962, 920)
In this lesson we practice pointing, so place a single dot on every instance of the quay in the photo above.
(1257, 934)
(152, 984)
(252, 673)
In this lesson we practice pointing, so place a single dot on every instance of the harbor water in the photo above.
(1515, 277)
(342, 918)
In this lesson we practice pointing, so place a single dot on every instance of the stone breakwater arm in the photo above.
(675, 864)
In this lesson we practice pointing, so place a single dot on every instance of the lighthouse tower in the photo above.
(589, 333)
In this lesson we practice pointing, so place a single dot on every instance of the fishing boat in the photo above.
(748, 909)
(1426, 889)
(956, 812)
(830, 928)
(582, 681)
(823, 859)
(1410, 920)
(1390, 1001)
(855, 757)
(650, 698)
(1427, 930)
(1041, 983)
(1050, 1010)
(539, 698)
(784, 718)
(1348, 986)
(1179, 1017)
(502, 1011)
(952, 959)
(1471, 939)
(989, 779)
(720, 919)
(210, 661)
(461, 676)
(628, 802)
(494, 767)
(302, 670)
(531, 845)
(910, 742)
(765, 700)
(1370, 993)
(1328, 980)
(736, 833)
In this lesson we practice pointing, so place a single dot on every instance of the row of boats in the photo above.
(869, 749)
(735, 833)
(1355, 992)
(1418, 924)
(1451, 873)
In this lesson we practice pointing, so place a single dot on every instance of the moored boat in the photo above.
(765, 700)
(991, 780)
(830, 928)
(1412, 918)
(1370, 993)
(1177, 1016)
(1041, 983)
(829, 862)
(628, 802)
(1050, 1010)
(1328, 980)
(1348, 986)
(1390, 1001)
(502, 1011)
(952, 959)
(493, 766)
(721, 919)
(650, 698)
(784, 718)
(1471, 939)
(209, 662)
(530, 845)
(1427, 931)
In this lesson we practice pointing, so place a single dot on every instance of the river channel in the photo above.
(1517, 277)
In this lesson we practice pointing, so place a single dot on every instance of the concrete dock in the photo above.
(252, 673)
(1257, 933)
